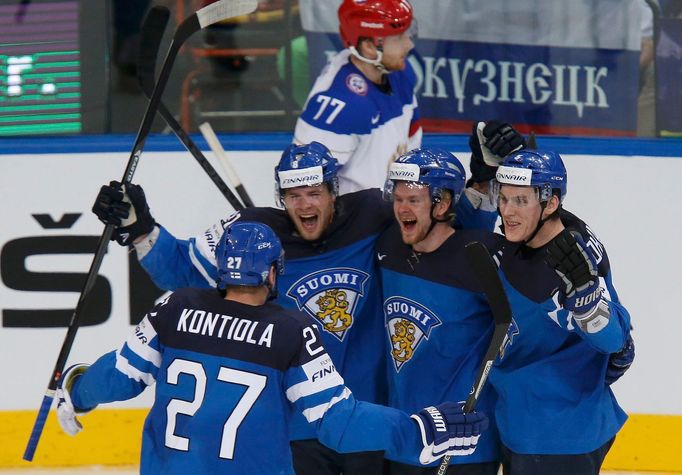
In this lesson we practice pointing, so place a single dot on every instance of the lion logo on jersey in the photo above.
(330, 296)
(408, 323)
(402, 340)
(334, 311)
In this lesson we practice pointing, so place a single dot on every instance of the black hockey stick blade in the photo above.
(531, 143)
(152, 34)
(206, 16)
(486, 272)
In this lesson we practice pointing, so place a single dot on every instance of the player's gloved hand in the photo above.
(620, 361)
(570, 258)
(66, 412)
(113, 206)
(490, 142)
(446, 430)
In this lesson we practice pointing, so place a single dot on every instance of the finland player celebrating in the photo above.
(555, 413)
(437, 320)
(331, 276)
(229, 365)
(362, 106)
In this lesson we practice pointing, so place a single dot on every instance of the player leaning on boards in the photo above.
(555, 412)
(437, 318)
(362, 106)
(228, 366)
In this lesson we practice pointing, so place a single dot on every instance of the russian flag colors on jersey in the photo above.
(227, 376)
(364, 125)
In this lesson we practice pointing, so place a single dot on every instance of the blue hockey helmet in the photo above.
(541, 169)
(245, 254)
(437, 168)
(306, 165)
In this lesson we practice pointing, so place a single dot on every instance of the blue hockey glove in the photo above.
(66, 412)
(568, 255)
(621, 361)
(490, 142)
(113, 206)
(446, 430)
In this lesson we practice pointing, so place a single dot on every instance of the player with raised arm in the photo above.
(363, 106)
(228, 366)
(437, 319)
(555, 412)
(331, 276)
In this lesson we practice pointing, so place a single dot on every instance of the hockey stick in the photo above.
(486, 273)
(152, 32)
(208, 15)
(219, 152)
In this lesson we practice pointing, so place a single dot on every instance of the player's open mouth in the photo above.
(511, 224)
(408, 224)
(309, 222)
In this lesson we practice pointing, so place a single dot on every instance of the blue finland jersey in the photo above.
(333, 280)
(437, 327)
(227, 376)
(552, 397)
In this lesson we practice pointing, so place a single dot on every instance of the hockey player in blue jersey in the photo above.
(555, 411)
(228, 366)
(331, 276)
(363, 106)
(437, 320)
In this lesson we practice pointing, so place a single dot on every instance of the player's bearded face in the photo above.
(520, 210)
(412, 209)
(395, 51)
(311, 208)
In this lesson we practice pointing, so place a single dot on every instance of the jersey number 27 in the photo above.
(255, 383)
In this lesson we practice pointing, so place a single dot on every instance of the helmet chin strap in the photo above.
(374, 62)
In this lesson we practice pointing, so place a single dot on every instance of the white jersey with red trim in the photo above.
(365, 125)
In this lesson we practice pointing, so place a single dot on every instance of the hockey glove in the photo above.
(113, 206)
(66, 412)
(490, 142)
(570, 258)
(621, 361)
(446, 430)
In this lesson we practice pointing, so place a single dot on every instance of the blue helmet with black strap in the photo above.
(437, 168)
(541, 169)
(306, 165)
(246, 253)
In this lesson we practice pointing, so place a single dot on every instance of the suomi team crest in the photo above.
(408, 323)
(330, 296)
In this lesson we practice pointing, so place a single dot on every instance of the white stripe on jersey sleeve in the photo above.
(132, 372)
(314, 413)
(139, 343)
(198, 266)
(321, 375)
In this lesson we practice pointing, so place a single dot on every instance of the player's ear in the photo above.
(367, 48)
(272, 276)
(552, 205)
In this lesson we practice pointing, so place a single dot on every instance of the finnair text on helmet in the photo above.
(514, 176)
(301, 180)
(376, 26)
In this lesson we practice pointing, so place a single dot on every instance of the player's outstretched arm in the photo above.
(318, 391)
(599, 317)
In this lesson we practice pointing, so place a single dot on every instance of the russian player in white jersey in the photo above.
(229, 366)
(363, 106)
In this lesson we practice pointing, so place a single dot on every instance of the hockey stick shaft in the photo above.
(486, 272)
(206, 16)
(219, 152)
(152, 33)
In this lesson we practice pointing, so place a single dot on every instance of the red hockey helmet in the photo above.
(373, 19)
